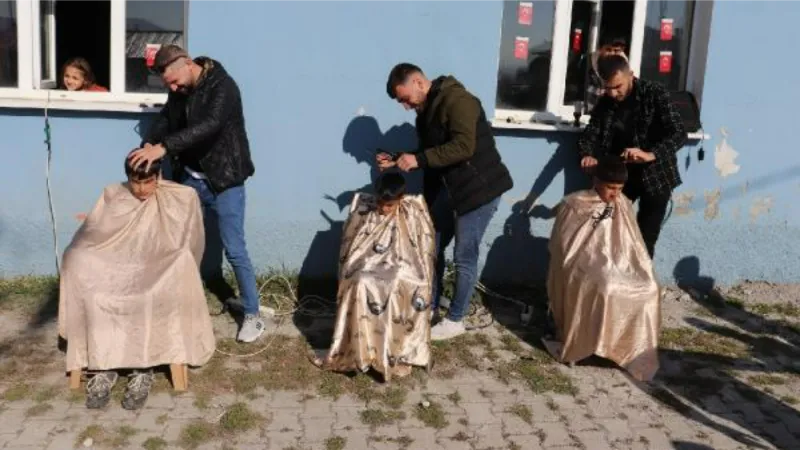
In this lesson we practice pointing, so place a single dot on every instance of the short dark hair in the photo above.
(611, 169)
(142, 172)
(399, 75)
(610, 65)
(167, 55)
(390, 186)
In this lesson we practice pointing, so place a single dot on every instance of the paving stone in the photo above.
(480, 414)
(594, 440)
(159, 400)
(317, 408)
(655, 438)
(348, 418)
(285, 419)
(554, 434)
(33, 434)
(279, 440)
(317, 430)
(63, 441)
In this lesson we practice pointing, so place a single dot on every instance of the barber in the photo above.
(636, 120)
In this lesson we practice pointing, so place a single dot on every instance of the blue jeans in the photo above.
(223, 216)
(468, 231)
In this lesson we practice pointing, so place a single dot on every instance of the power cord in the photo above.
(48, 143)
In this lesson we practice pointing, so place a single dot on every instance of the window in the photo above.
(113, 37)
(8, 44)
(546, 47)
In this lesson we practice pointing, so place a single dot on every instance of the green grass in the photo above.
(521, 411)
(335, 443)
(432, 415)
(155, 443)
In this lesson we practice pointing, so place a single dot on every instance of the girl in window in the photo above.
(77, 75)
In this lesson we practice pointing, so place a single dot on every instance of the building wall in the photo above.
(313, 78)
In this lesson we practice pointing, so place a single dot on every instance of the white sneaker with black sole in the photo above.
(252, 328)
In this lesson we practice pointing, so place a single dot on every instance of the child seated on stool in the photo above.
(385, 281)
(131, 295)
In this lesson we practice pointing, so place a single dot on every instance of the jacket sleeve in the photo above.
(159, 127)
(589, 139)
(462, 117)
(674, 137)
(223, 98)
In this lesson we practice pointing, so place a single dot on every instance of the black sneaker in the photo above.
(138, 390)
(98, 389)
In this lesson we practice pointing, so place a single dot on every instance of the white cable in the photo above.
(47, 177)
(289, 304)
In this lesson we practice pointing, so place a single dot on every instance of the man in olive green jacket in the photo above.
(464, 176)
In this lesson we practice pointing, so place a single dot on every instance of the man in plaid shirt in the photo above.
(636, 120)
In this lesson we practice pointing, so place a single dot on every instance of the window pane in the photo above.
(148, 23)
(525, 47)
(46, 21)
(667, 36)
(8, 43)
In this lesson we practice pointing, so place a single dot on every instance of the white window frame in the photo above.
(558, 116)
(29, 92)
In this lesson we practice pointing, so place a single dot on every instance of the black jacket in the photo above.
(458, 148)
(207, 125)
(658, 128)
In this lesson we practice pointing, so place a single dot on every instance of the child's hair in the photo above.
(82, 65)
(390, 186)
(142, 172)
(611, 169)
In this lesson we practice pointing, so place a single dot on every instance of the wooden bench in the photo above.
(178, 372)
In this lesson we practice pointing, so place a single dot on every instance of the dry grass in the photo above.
(521, 411)
(685, 338)
(431, 415)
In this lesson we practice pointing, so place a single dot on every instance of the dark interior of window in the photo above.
(83, 29)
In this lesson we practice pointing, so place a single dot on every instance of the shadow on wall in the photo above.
(361, 139)
(518, 257)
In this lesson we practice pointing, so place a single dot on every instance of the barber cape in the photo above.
(603, 293)
(131, 294)
(386, 270)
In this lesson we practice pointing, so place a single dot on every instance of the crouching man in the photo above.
(131, 297)
(383, 317)
(604, 298)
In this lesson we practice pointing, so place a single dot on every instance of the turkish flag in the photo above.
(525, 13)
(665, 62)
(576, 40)
(150, 54)
(666, 29)
(521, 48)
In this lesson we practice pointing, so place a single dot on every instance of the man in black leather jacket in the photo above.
(201, 130)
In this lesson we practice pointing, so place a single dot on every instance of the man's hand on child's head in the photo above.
(384, 160)
(147, 154)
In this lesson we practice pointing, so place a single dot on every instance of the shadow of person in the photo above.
(362, 139)
(516, 266)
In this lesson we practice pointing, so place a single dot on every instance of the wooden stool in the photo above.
(178, 372)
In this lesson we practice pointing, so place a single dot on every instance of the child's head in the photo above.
(610, 176)
(142, 181)
(77, 74)
(390, 189)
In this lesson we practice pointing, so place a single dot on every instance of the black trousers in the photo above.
(652, 210)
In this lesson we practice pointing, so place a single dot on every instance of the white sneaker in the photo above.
(252, 328)
(447, 329)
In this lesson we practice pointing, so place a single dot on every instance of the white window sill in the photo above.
(82, 101)
(563, 126)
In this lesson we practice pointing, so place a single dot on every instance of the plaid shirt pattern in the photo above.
(658, 129)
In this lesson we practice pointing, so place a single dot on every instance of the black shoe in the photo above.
(98, 389)
(138, 390)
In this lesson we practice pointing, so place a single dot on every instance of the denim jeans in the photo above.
(468, 231)
(223, 216)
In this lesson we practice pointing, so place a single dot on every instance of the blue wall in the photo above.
(307, 70)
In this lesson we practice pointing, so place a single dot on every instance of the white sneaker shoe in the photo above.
(447, 329)
(252, 328)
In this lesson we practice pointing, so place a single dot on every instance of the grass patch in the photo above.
(95, 432)
(202, 400)
(460, 437)
(28, 293)
(17, 392)
(154, 443)
(403, 441)
(38, 410)
(432, 416)
(378, 417)
(685, 338)
(766, 380)
(458, 353)
(46, 394)
(539, 378)
(455, 397)
(789, 400)
(335, 443)
(196, 433)
(239, 418)
(734, 302)
(783, 309)
(162, 419)
(521, 411)
(122, 436)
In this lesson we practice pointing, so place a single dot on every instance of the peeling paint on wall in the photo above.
(760, 207)
(683, 203)
(712, 203)
(725, 156)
